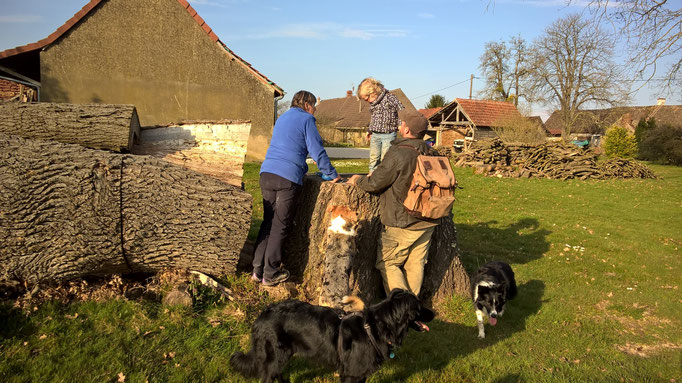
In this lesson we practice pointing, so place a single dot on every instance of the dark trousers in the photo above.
(279, 202)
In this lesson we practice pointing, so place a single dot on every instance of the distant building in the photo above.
(345, 119)
(596, 121)
(158, 55)
(470, 119)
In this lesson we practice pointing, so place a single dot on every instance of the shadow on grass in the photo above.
(13, 323)
(446, 342)
(518, 243)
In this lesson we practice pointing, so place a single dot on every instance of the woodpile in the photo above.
(549, 160)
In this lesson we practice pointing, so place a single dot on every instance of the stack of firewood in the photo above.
(549, 160)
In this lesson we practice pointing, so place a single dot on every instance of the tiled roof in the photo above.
(487, 113)
(349, 111)
(93, 3)
(429, 112)
(595, 120)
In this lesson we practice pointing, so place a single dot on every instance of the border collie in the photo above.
(492, 286)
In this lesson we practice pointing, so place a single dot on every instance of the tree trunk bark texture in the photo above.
(96, 126)
(67, 212)
(331, 264)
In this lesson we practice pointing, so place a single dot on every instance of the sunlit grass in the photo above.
(597, 263)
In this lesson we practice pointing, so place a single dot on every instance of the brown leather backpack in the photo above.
(432, 190)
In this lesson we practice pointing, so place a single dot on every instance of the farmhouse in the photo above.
(470, 119)
(158, 55)
(595, 121)
(346, 119)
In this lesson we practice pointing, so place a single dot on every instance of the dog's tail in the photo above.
(247, 364)
(353, 303)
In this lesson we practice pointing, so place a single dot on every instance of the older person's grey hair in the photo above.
(303, 97)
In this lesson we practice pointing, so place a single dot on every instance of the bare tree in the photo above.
(283, 107)
(573, 68)
(504, 68)
(653, 33)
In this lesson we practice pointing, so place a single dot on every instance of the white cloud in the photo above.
(327, 30)
(425, 15)
(20, 19)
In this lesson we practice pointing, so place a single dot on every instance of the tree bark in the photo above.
(95, 126)
(330, 265)
(67, 212)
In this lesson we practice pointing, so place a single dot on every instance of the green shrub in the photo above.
(619, 143)
(644, 126)
(662, 145)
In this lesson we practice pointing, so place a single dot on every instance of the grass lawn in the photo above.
(597, 264)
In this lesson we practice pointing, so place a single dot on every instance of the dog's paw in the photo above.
(481, 336)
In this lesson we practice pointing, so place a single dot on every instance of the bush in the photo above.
(662, 145)
(618, 142)
(644, 126)
(520, 130)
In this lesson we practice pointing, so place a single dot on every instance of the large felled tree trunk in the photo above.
(96, 126)
(67, 211)
(332, 264)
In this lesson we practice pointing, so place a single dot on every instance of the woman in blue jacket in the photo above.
(294, 136)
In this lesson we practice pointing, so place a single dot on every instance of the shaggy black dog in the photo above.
(492, 286)
(355, 344)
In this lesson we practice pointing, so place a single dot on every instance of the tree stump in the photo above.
(329, 264)
(95, 126)
(67, 212)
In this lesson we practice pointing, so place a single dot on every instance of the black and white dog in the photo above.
(355, 344)
(492, 286)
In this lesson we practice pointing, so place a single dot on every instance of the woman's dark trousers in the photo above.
(279, 202)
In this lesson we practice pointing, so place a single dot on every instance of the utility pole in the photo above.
(471, 85)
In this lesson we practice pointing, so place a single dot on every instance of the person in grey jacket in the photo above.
(405, 239)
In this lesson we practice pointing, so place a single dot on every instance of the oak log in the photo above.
(97, 126)
(67, 212)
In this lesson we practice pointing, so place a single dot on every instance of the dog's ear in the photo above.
(426, 315)
(503, 287)
(395, 292)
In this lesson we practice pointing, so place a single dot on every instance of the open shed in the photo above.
(469, 120)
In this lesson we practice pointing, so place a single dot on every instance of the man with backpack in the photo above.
(407, 235)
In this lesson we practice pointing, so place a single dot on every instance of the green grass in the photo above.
(597, 263)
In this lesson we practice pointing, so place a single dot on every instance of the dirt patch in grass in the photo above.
(148, 287)
(638, 325)
(646, 350)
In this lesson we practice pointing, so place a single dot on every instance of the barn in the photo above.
(158, 55)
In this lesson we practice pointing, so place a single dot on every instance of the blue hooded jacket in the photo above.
(294, 136)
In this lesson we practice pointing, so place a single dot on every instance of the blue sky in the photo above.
(327, 47)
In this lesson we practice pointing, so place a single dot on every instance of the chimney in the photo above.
(349, 93)
(660, 101)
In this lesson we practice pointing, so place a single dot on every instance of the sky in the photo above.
(328, 47)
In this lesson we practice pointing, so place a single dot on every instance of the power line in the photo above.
(447, 87)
